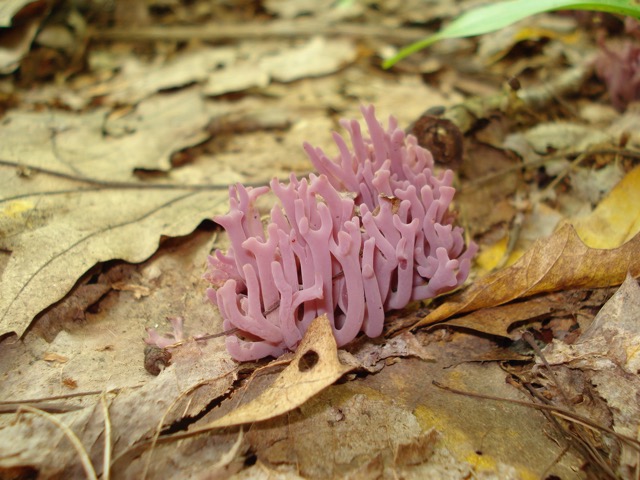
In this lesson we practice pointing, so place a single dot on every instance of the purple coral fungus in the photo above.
(371, 233)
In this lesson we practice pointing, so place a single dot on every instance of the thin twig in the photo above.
(75, 441)
(12, 407)
(106, 462)
(528, 337)
(66, 396)
(244, 31)
(123, 185)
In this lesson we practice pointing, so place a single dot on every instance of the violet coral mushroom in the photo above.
(371, 233)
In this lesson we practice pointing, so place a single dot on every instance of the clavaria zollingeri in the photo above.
(371, 233)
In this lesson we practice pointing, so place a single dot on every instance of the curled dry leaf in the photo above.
(608, 356)
(314, 367)
(16, 41)
(560, 262)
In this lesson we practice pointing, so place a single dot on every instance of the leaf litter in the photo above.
(109, 176)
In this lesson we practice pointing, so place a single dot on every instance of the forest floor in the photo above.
(123, 123)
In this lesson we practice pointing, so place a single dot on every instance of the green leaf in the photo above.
(499, 15)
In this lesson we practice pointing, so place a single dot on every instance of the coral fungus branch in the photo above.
(371, 233)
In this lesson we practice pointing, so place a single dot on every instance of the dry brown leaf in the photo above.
(562, 261)
(608, 355)
(298, 382)
(496, 320)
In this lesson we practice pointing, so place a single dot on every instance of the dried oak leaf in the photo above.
(314, 367)
(560, 262)
(53, 229)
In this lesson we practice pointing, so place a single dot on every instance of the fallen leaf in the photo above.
(612, 339)
(608, 355)
(562, 261)
(417, 451)
(494, 46)
(340, 431)
(9, 8)
(137, 80)
(53, 228)
(497, 320)
(101, 147)
(565, 136)
(482, 435)
(373, 355)
(616, 218)
(316, 57)
(16, 41)
(298, 382)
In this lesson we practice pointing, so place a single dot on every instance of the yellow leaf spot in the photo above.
(617, 218)
(16, 208)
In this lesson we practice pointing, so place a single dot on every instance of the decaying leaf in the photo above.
(9, 8)
(372, 355)
(316, 57)
(15, 41)
(608, 355)
(346, 431)
(616, 218)
(55, 228)
(496, 320)
(137, 80)
(562, 261)
(104, 147)
(314, 367)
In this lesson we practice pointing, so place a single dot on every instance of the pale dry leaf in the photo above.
(236, 78)
(297, 383)
(565, 136)
(9, 8)
(560, 262)
(32, 441)
(327, 10)
(138, 80)
(612, 339)
(372, 355)
(56, 243)
(16, 41)
(592, 185)
(94, 145)
(608, 353)
(317, 57)
(338, 431)
(55, 229)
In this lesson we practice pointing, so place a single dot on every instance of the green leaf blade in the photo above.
(499, 15)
